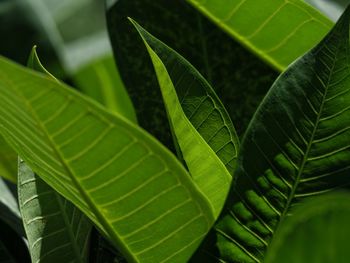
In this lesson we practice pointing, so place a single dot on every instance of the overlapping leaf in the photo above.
(57, 231)
(279, 31)
(209, 119)
(297, 146)
(233, 72)
(127, 183)
(318, 232)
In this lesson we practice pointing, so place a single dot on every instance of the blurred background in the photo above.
(72, 34)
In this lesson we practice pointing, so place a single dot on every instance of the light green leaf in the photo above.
(318, 232)
(56, 230)
(207, 170)
(8, 157)
(128, 184)
(296, 146)
(278, 31)
(234, 72)
(101, 81)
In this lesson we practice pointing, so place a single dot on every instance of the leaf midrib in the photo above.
(309, 145)
(85, 196)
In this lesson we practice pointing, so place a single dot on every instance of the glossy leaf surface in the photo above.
(316, 233)
(297, 146)
(74, 144)
(278, 31)
(206, 169)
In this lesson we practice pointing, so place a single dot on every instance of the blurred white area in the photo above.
(332, 8)
(76, 28)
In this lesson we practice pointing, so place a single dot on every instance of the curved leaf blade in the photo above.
(57, 231)
(206, 169)
(296, 146)
(101, 162)
(278, 31)
(235, 76)
(317, 233)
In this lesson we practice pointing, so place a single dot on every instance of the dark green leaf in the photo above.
(318, 232)
(209, 119)
(57, 231)
(296, 146)
(234, 73)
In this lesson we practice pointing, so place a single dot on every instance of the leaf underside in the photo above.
(57, 231)
(296, 146)
(278, 31)
(74, 144)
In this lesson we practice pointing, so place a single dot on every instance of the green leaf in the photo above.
(56, 230)
(296, 146)
(35, 63)
(233, 72)
(101, 81)
(8, 157)
(278, 31)
(128, 184)
(318, 232)
(207, 170)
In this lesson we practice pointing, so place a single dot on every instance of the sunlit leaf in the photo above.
(125, 181)
(278, 31)
(208, 117)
